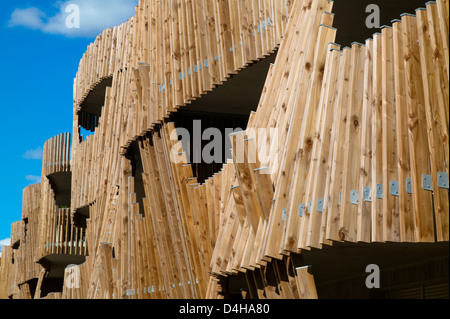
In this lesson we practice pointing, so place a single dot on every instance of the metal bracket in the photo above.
(301, 209)
(309, 207)
(394, 188)
(320, 203)
(367, 194)
(340, 198)
(354, 197)
(427, 182)
(380, 191)
(409, 186)
(283, 216)
(443, 180)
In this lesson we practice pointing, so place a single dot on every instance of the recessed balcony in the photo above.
(90, 110)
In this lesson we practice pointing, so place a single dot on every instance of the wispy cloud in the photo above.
(33, 179)
(95, 16)
(35, 154)
(31, 18)
(5, 242)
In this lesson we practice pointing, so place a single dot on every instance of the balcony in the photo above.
(90, 109)
(58, 235)
(63, 238)
(62, 244)
(56, 166)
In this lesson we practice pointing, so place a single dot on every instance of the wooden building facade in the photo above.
(332, 159)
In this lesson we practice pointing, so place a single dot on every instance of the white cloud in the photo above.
(4, 242)
(34, 179)
(95, 16)
(31, 18)
(33, 154)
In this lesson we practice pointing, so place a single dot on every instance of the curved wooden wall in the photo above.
(194, 48)
(29, 247)
(102, 59)
(173, 58)
(14, 277)
(245, 219)
(203, 64)
(359, 119)
(238, 34)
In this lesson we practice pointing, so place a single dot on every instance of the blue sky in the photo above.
(39, 58)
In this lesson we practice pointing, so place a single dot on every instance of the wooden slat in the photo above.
(305, 283)
(401, 112)
(437, 129)
(365, 178)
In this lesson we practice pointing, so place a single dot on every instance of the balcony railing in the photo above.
(60, 237)
(56, 157)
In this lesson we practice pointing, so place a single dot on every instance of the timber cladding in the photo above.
(360, 154)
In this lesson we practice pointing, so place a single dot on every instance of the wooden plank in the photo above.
(437, 132)
(391, 224)
(365, 181)
(443, 26)
(334, 181)
(377, 151)
(305, 283)
(350, 180)
(405, 206)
